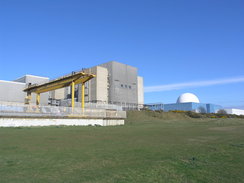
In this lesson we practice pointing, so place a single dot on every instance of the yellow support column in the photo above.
(73, 95)
(82, 95)
(37, 98)
(28, 98)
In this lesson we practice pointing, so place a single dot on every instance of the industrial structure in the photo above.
(115, 83)
(65, 81)
(92, 96)
(187, 102)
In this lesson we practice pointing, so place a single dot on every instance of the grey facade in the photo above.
(122, 83)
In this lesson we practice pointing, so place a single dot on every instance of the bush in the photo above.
(177, 111)
(194, 114)
(221, 111)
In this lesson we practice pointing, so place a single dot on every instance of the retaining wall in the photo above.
(27, 122)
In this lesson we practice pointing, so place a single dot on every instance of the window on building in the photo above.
(129, 87)
(125, 86)
(122, 85)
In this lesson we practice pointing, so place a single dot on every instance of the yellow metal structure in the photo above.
(83, 95)
(73, 94)
(65, 81)
(37, 98)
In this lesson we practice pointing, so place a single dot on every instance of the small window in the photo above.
(122, 85)
(125, 86)
(129, 87)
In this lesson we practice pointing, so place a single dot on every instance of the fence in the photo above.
(67, 102)
(22, 110)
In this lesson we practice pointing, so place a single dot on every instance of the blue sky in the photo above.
(170, 42)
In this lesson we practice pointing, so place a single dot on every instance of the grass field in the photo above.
(151, 147)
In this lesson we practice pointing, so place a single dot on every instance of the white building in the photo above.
(235, 111)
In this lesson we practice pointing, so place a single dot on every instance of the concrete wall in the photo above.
(25, 122)
(122, 83)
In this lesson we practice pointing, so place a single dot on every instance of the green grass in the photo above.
(151, 147)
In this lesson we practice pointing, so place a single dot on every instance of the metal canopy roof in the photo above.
(69, 80)
(77, 78)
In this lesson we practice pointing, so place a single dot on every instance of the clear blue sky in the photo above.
(170, 42)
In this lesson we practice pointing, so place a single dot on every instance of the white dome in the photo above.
(187, 97)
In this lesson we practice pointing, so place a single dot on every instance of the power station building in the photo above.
(187, 102)
(115, 83)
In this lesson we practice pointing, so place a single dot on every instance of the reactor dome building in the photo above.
(190, 102)
(187, 102)
(187, 97)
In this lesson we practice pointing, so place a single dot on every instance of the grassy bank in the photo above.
(151, 147)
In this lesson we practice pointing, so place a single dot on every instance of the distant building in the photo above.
(235, 111)
(187, 102)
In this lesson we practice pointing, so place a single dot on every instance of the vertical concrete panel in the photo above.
(140, 91)
(102, 85)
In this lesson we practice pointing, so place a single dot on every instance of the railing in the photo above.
(67, 103)
(22, 110)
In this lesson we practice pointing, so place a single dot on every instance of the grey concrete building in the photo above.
(115, 83)
(122, 84)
